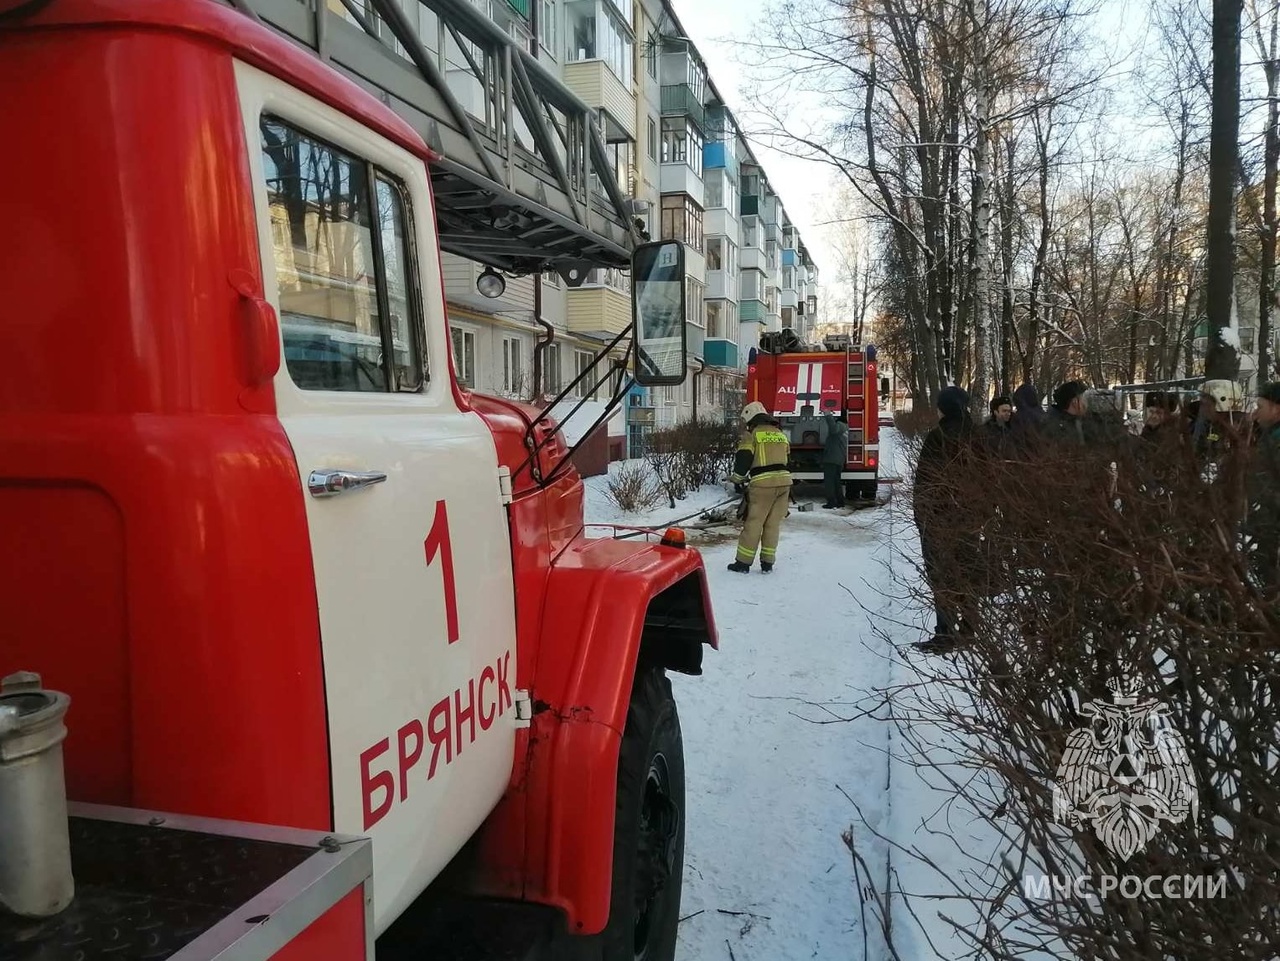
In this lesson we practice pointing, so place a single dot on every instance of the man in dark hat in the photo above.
(1028, 422)
(934, 497)
(1065, 422)
(1161, 415)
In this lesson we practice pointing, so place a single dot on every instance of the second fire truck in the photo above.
(801, 383)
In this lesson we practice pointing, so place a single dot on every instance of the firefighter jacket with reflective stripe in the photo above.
(762, 456)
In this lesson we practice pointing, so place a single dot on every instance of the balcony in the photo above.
(720, 222)
(789, 298)
(603, 311)
(720, 286)
(597, 86)
(520, 6)
(719, 156)
(751, 311)
(789, 258)
(679, 100)
(751, 258)
(680, 178)
(721, 353)
(695, 336)
(750, 206)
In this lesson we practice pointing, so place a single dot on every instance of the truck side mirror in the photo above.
(658, 310)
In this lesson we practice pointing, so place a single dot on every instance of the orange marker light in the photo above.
(674, 537)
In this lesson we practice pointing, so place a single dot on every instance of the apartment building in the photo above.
(676, 149)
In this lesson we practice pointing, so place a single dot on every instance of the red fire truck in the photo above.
(800, 383)
(344, 672)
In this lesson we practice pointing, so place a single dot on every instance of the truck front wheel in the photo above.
(648, 839)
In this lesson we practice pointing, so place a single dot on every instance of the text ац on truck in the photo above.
(306, 654)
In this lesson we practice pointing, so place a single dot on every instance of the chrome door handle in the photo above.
(330, 483)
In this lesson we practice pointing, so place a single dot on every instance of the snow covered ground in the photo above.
(781, 757)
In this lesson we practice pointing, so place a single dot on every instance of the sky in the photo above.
(717, 28)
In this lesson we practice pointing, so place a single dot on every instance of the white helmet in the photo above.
(752, 411)
(1227, 394)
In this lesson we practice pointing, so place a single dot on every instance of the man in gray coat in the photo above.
(835, 453)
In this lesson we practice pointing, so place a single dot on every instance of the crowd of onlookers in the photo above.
(1203, 428)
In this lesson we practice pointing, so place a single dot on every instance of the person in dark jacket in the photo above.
(1161, 415)
(835, 454)
(1027, 423)
(1065, 421)
(997, 434)
(933, 499)
(1262, 492)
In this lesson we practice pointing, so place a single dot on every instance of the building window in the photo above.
(714, 195)
(749, 232)
(682, 220)
(1247, 340)
(788, 278)
(608, 277)
(694, 291)
(681, 143)
(715, 318)
(787, 316)
(653, 140)
(651, 55)
(551, 278)
(812, 303)
(586, 386)
(464, 356)
(731, 258)
(513, 373)
(675, 145)
(552, 381)
(547, 26)
(715, 253)
(596, 32)
(348, 307)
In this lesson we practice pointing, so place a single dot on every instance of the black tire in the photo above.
(648, 837)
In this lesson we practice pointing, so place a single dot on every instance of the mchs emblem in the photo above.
(1125, 773)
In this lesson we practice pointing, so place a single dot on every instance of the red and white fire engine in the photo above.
(344, 671)
(801, 383)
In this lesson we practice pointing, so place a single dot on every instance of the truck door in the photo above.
(407, 524)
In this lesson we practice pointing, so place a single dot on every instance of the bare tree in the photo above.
(1266, 46)
(1224, 170)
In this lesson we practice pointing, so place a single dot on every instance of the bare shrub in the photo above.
(915, 422)
(633, 488)
(1081, 577)
(691, 454)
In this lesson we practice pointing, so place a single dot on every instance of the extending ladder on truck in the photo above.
(525, 183)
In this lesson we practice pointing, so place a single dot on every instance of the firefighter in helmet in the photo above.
(761, 465)
(1219, 418)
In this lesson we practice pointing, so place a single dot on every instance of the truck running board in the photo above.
(152, 885)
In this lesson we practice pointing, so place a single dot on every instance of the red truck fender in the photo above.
(610, 606)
